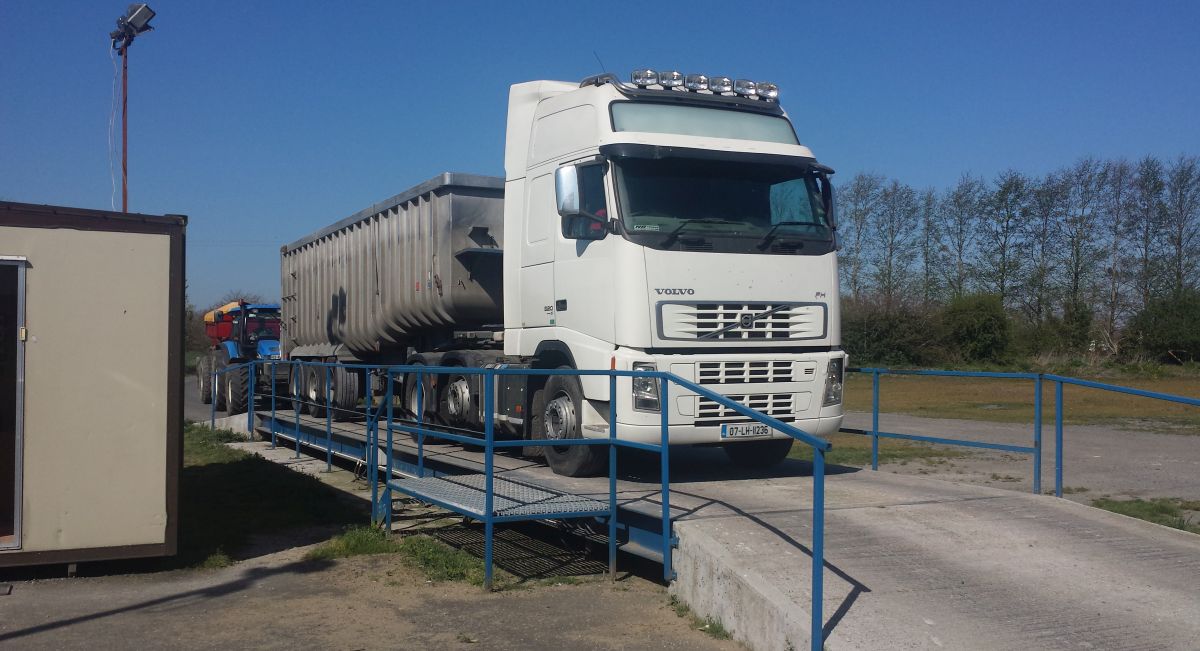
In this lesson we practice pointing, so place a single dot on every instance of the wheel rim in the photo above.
(560, 419)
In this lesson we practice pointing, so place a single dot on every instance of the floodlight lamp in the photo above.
(138, 17)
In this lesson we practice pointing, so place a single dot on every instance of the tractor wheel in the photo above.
(219, 390)
(204, 379)
(563, 419)
(236, 400)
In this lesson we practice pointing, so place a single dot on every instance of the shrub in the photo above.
(873, 336)
(1169, 328)
(977, 328)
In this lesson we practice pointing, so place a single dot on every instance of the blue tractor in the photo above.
(240, 332)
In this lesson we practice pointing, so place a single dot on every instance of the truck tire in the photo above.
(758, 454)
(346, 390)
(537, 422)
(409, 406)
(236, 400)
(204, 380)
(296, 386)
(562, 419)
(314, 391)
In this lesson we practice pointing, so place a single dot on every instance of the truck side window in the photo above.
(591, 186)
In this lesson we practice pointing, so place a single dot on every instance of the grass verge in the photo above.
(855, 450)
(1167, 511)
(355, 541)
(228, 497)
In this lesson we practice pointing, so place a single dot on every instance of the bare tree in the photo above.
(1143, 227)
(958, 219)
(1181, 223)
(894, 237)
(1002, 233)
(1047, 208)
(931, 254)
(858, 203)
(1080, 239)
(1116, 182)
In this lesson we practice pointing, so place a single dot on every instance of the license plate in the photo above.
(748, 430)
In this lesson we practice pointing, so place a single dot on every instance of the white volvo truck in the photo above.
(673, 223)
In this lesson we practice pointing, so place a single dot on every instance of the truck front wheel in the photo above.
(562, 419)
(758, 454)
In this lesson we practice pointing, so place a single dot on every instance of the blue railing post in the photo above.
(251, 366)
(818, 550)
(387, 493)
(488, 506)
(665, 459)
(1058, 438)
(212, 419)
(612, 477)
(329, 421)
(1037, 434)
(299, 384)
(273, 376)
(420, 424)
(875, 420)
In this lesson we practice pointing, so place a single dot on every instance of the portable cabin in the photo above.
(91, 382)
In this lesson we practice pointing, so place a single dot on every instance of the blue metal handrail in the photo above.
(1036, 449)
(818, 445)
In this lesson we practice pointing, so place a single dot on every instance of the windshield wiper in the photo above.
(770, 236)
(674, 235)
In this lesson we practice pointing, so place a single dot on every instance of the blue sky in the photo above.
(264, 121)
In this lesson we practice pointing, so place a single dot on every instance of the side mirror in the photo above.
(569, 187)
(566, 190)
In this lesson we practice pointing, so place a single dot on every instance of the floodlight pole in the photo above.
(124, 128)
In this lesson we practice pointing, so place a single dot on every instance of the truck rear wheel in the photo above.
(562, 418)
(346, 389)
(314, 391)
(235, 391)
(204, 380)
(758, 454)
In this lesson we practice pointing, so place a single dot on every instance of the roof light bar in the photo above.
(673, 80)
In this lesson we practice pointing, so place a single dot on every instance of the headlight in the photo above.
(645, 389)
(833, 382)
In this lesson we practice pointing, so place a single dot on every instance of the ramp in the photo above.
(910, 562)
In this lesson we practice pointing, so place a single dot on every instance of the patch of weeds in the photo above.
(1167, 511)
(354, 541)
(467, 639)
(441, 562)
(1007, 478)
(1071, 490)
(713, 627)
(215, 560)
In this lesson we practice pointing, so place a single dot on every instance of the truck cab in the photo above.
(674, 223)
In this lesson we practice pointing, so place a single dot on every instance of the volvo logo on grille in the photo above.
(675, 291)
(746, 320)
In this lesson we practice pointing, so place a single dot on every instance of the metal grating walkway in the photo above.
(511, 500)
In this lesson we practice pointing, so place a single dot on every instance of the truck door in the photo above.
(583, 269)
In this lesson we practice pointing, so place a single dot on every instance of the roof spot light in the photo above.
(720, 84)
(695, 83)
(745, 88)
(644, 77)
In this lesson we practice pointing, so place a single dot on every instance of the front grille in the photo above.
(744, 372)
(779, 405)
(741, 321)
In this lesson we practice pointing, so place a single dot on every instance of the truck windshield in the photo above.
(724, 206)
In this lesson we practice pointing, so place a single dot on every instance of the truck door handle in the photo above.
(560, 305)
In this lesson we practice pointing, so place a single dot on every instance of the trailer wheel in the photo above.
(758, 454)
(235, 391)
(346, 389)
(296, 386)
(314, 391)
(410, 395)
(562, 419)
(204, 380)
